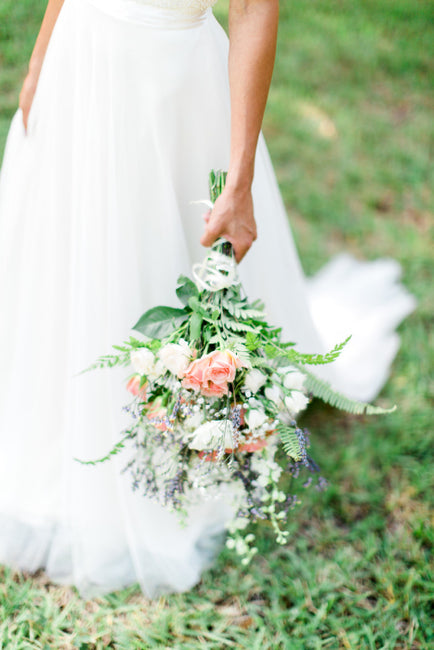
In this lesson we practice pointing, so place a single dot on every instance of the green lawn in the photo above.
(349, 127)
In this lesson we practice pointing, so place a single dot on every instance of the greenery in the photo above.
(349, 126)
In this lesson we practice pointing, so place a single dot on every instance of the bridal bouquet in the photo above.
(215, 398)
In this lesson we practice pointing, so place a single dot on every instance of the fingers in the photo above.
(241, 243)
(240, 249)
(212, 232)
(231, 218)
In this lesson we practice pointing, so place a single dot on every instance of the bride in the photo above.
(126, 107)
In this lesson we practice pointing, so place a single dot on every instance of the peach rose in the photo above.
(133, 386)
(193, 375)
(222, 367)
(211, 373)
(210, 389)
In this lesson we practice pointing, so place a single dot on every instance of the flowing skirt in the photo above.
(131, 111)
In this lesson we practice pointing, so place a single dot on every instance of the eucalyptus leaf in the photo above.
(195, 325)
(196, 306)
(158, 322)
(186, 289)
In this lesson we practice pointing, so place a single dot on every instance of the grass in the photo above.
(349, 127)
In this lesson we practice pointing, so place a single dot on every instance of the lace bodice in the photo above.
(185, 6)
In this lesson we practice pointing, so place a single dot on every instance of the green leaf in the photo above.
(158, 322)
(186, 289)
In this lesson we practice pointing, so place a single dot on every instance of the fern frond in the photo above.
(281, 350)
(237, 326)
(253, 342)
(322, 389)
(237, 345)
(116, 449)
(254, 314)
(290, 442)
(260, 362)
(243, 311)
(107, 361)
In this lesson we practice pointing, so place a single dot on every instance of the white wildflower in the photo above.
(213, 434)
(239, 523)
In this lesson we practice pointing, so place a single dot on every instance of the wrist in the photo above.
(239, 182)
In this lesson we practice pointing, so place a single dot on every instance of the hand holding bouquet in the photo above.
(216, 395)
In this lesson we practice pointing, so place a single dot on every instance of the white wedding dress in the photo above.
(96, 224)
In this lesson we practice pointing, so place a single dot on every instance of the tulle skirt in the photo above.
(131, 111)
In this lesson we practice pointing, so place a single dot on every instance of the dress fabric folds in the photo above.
(96, 224)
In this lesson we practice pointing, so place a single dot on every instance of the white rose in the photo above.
(213, 434)
(142, 360)
(293, 378)
(254, 380)
(176, 357)
(296, 402)
(274, 394)
(255, 418)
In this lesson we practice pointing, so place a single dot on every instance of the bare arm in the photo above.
(252, 49)
(37, 58)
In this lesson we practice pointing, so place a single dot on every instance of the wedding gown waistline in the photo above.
(149, 15)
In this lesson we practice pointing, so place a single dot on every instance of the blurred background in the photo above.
(349, 125)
